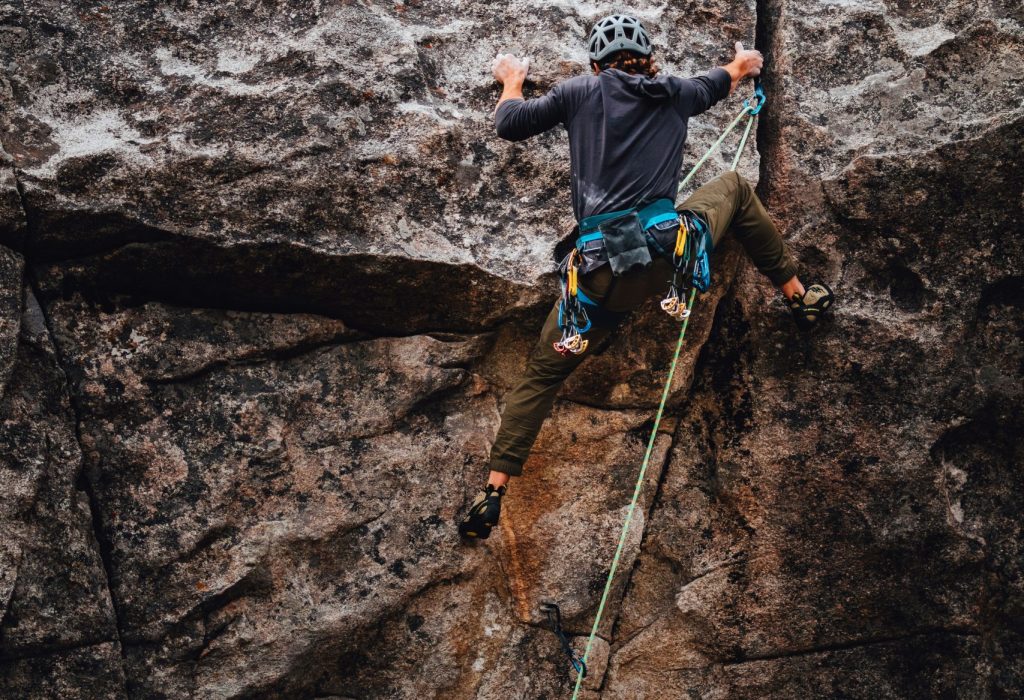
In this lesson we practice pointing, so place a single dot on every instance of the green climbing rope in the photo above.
(714, 146)
(750, 111)
(743, 142)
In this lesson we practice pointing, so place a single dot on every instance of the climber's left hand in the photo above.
(747, 64)
(510, 70)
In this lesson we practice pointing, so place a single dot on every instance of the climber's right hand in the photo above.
(509, 70)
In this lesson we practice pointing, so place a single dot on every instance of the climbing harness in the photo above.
(623, 239)
(555, 618)
(682, 312)
(620, 239)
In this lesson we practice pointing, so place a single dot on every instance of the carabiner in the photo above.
(681, 234)
(572, 279)
(759, 96)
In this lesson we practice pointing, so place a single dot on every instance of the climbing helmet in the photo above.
(618, 33)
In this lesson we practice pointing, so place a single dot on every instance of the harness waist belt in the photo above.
(650, 214)
(661, 240)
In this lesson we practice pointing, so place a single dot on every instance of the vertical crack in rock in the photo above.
(82, 481)
(701, 360)
(655, 499)
(6, 601)
(765, 36)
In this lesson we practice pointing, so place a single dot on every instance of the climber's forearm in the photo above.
(736, 74)
(511, 73)
(511, 90)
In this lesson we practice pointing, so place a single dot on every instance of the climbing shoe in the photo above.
(483, 514)
(809, 308)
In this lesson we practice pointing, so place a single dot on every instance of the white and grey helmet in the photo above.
(618, 33)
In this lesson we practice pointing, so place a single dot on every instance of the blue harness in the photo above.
(688, 251)
(657, 212)
(655, 215)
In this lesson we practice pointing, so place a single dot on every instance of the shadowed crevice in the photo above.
(38, 651)
(379, 293)
(81, 481)
(765, 39)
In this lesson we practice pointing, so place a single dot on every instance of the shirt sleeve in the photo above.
(699, 94)
(518, 119)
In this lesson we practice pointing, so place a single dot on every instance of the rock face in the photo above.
(266, 274)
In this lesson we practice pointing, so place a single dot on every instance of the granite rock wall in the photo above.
(266, 274)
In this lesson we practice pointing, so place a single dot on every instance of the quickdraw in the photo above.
(673, 303)
(690, 267)
(572, 317)
(555, 618)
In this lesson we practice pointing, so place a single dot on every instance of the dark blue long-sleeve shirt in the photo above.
(626, 132)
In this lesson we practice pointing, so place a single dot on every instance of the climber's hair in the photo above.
(628, 62)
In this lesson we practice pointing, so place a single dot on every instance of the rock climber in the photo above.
(627, 127)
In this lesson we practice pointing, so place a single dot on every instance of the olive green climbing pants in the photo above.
(726, 203)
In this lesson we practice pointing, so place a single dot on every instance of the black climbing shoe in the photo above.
(809, 309)
(483, 514)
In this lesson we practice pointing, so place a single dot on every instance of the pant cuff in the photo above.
(506, 466)
(780, 277)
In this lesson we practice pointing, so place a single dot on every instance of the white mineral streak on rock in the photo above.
(235, 61)
(920, 40)
(429, 110)
(80, 134)
(172, 65)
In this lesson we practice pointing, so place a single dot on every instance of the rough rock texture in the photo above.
(840, 517)
(58, 630)
(266, 273)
